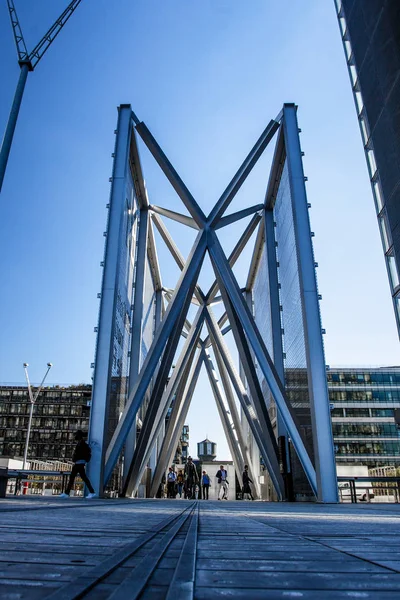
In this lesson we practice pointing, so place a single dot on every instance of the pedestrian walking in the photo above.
(81, 456)
(191, 478)
(171, 481)
(180, 481)
(223, 482)
(205, 484)
(246, 483)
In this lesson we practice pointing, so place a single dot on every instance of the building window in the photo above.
(378, 196)
(384, 232)
(359, 101)
(394, 277)
(342, 23)
(364, 130)
(371, 162)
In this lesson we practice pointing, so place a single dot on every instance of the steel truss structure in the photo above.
(136, 374)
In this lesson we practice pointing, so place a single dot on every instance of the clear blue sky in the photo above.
(206, 77)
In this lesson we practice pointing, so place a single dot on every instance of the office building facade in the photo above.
(370, 32)
(59, 412)
(363, 404)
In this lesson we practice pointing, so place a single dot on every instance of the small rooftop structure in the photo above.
(207, 450)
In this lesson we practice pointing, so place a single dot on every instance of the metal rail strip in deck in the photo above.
(182, 584)
(74, 590)
(133, 585)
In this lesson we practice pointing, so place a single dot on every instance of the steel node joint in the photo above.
(26, 62)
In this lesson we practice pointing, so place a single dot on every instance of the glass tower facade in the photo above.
(363, 404)
(370, 30)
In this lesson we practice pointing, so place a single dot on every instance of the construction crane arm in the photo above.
(52, 33)
(17, 31)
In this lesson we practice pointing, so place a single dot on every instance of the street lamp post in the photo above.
(32, 399)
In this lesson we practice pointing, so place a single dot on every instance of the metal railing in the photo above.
(36, 481)
(366, 489)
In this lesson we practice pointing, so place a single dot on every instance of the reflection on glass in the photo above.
(394, 277)
(378, 196)
(371, 162)
(359, 101)
(364, 131)
(347, 49)
(384, 231)
(397, 304)
(353, 74)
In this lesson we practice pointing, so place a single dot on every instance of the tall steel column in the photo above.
(319, 399)
(105, 336)
(137, 318)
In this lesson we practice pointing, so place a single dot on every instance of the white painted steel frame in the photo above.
(250, 343)
(318, 387)
(103, 361)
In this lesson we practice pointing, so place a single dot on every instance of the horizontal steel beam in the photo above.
(237, 216)
(175, 216)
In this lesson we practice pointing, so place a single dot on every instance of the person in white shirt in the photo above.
(223, 482)
(171, 480)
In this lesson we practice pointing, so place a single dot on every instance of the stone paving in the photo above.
(242, 550)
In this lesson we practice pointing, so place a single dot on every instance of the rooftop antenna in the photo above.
(27, 62)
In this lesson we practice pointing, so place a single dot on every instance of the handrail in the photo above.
(11, 473)
(367, 478)
(392, 485)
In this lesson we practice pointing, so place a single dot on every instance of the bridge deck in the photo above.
(154, 549)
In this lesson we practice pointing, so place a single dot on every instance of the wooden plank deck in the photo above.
(240, 549)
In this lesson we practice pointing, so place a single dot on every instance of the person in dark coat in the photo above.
(80, 457)
(191, 478)
(246, 483)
